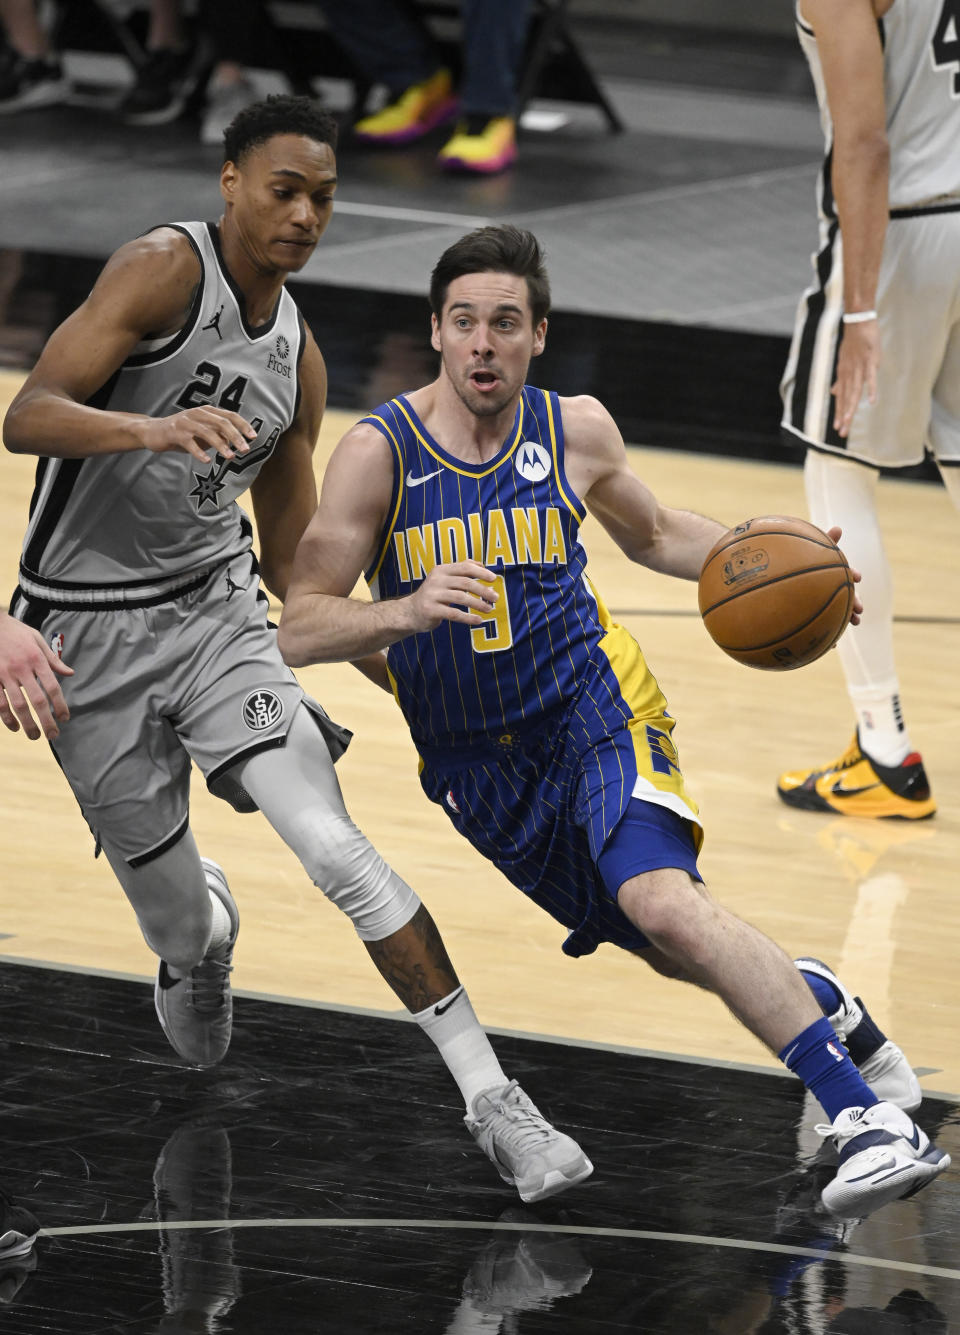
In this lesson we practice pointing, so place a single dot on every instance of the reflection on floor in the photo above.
(320, 1180)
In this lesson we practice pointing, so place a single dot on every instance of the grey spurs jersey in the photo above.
(131, 529)
(921, 59)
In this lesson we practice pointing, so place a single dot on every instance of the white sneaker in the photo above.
(196, 1011)
(524, 1148)
(884, 1156)
(887, 1071)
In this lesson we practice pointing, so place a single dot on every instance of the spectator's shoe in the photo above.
(523, 1272)
(224, 101)
(196, 1011)
(884, 1156)
(164, 85)
(481, 145)
(18, 1228)
(412, 114)
(524, 1148)
(27, 85)
(881, 1063)
(857, 786)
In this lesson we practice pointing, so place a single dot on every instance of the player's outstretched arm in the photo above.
(28, 686)
(673, 542)
(146, 290)
(321, 621)
(851, 57)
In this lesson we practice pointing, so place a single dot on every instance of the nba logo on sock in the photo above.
(835, 1052)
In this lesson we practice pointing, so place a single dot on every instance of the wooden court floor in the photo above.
(875, 900)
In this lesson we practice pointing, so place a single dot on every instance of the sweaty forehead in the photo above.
(489, 289)
(293, 153)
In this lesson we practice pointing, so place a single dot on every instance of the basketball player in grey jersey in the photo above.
(873, 378)
(186, 377)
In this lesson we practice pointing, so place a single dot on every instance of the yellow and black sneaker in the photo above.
(854, 785)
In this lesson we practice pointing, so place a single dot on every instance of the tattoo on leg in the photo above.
(415, 963)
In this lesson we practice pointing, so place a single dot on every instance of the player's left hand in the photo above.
(27, 667)
(835, 534)
(856, 370)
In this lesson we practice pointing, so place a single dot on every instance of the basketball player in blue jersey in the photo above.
(185, 378)
(541, 731)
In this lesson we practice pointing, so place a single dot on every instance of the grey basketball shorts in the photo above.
(198, 678)
(918, 387)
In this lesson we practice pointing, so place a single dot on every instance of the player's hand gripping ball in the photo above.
(776, 593)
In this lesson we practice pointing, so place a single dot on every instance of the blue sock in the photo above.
(828, 998)
(818, 1057)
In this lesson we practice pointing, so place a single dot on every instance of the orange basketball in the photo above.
(775, 593)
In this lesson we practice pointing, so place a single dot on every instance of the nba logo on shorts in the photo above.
(56, 644)
(262, 709)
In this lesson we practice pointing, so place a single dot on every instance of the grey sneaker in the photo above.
(523, 1147)
(881, 1063)
(884, 1156)
(196, 1011)
(224, 101)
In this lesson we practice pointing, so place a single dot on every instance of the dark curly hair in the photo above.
(277, 114)
(499, 249)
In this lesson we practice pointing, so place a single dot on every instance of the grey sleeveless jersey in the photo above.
(921, 57)
(122, 530)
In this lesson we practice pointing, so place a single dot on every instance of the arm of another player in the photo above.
(673, 542)
(851, 56)
(321, 622)
(27, 667)
(285, 492)
(145, 290)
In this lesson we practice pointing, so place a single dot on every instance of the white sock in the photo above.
(883, 735)
(842, 492)
(462, 1044)
(221, 925)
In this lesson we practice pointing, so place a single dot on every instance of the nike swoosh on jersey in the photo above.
(417, 481)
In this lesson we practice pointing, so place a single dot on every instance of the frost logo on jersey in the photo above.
(279, 364)
(533, 461)
(56, 644)
(262, 709)
(209, 485)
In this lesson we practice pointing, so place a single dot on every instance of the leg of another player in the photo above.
(845, 493)
(188, 918)
(762, 987)
(170, 897)
(296, 788)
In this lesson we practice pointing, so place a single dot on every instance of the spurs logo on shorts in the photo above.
(533, 461)
(262, 709)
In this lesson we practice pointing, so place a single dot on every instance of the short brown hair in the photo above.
(498, 249)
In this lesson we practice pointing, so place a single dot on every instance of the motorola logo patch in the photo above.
(262, 709)
(533, 461)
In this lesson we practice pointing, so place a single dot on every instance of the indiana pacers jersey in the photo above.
(516, 514)
(539, 727)
(921, 61)
(126, 530)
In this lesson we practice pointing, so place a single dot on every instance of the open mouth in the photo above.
(484, 379)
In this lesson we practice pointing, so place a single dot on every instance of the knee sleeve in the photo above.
(296, 788)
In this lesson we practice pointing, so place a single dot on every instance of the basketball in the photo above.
(775, 593)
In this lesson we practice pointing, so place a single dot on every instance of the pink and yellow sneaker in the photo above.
(412, 115)
(483, 146)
